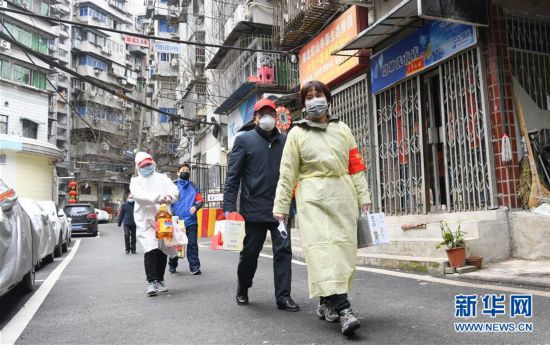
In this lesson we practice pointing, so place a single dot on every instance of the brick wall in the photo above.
(497, 69)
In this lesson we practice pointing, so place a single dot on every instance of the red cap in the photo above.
(264, 102)
(144, 162)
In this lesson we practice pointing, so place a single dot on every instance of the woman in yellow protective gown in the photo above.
(321, 155)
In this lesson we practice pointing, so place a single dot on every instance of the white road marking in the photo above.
(436, 280)
(440, 280)
(455, 282)
(11, 332)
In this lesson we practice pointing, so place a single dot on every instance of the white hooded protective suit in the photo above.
(148, 191)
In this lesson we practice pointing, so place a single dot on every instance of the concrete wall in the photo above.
(531, 235)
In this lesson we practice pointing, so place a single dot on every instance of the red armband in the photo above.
(355, 162)
(198, 198)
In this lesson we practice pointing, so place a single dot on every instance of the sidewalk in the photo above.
(511, 271)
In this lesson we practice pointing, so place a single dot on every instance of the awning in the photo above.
(401, 16)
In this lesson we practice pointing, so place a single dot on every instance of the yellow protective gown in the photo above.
(328, 199)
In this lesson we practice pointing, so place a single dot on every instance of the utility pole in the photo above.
(142, 114)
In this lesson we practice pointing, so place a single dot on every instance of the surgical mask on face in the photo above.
(130, 200)
(267, 123)
(148, 170)
(184, 175)
(316, 107)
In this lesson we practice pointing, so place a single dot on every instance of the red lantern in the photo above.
(72, 201)
(73, 193)
(72, 184)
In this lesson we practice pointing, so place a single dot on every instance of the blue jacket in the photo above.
(189, 196)
(126, 215)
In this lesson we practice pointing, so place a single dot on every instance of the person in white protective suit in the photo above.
(150, 189)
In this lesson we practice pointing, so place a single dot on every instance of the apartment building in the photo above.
(241, 77)
(164, 19)
(32, 140)
(105, 128)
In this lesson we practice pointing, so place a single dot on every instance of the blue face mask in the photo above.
(148, 170)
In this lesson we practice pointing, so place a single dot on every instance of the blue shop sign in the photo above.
(427, 46)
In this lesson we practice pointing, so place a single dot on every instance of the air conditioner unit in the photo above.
(123, 81)
(93, 93)
(51, 109)
(97, 71)
(3, 4)
(26, 6)
(5, 45)
(106, 50)
(120, 127)
(173, 12)
(125, 104)
(52, 47)
(174, 63)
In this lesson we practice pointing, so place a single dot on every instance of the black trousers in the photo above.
(339, 302)
(155, 265)
(282, 257)
(130, 237)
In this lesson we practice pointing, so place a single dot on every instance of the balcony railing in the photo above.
(297, 20)
(265, 69)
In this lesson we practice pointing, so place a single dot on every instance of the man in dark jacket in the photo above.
(126, 217)
(189, 202)
(254, 168)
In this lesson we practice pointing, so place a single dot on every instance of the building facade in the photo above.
(32, 141)
(105, 126)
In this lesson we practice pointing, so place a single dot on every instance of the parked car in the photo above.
(59, 225)
(42, 224)
(66, 222)
(83, 218)
(18, 244)
(103, 216)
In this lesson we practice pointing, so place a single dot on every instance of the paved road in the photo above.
(100, 299)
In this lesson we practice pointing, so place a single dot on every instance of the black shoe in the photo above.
(134, 252)
(196, 273)
(242, 296)
(288, 305)
(172, 270)
(127, 251)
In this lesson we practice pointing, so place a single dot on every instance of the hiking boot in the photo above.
(151, 289)
(242, 296)
(325, 311)
(160, 286)
(349, 321)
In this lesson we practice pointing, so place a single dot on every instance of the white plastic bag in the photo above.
(179, 236)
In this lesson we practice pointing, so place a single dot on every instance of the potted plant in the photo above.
(454, 241)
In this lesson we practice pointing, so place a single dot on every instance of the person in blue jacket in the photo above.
(189, 202)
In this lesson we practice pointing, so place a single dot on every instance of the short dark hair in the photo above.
(184, 165)
(317, 86)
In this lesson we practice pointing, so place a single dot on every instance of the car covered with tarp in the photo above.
(41, 223)
(19, 244)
